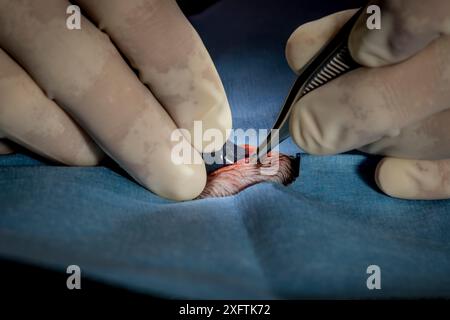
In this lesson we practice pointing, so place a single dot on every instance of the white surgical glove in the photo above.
(60, 88)
(397, 106)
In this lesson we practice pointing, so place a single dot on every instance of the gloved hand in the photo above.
(48, 72)
(398, 105)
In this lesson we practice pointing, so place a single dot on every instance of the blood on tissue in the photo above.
(233, 178)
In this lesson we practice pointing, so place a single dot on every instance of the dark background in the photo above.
(20, 279)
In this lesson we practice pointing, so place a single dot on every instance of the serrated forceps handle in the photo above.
(332, 61)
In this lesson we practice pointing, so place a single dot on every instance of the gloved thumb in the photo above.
(309, 38)
(414, 179)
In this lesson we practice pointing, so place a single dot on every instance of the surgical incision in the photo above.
(233, 178)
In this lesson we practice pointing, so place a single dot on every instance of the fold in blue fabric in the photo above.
(313, 239)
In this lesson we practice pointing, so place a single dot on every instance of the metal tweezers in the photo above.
(332, 61)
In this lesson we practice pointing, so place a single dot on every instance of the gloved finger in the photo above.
(5, 147)
(85, 74)
(369, 104)
(426, 140)
(309, 38)
(162, 45)
(407, 26)
(32, 120)
(414, 179)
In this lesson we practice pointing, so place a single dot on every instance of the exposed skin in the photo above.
(232, 179)
(397, 106)
(82, 73)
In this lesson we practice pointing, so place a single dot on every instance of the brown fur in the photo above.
(231, 179)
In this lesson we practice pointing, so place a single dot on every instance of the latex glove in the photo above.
(48, 72)
(397, 106)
